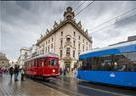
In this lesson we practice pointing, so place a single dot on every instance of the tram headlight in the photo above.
(53, 70)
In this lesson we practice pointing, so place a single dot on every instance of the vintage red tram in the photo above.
(46, 65)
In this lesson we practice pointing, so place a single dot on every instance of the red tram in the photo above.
(44, 66)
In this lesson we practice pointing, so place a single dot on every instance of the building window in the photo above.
(78, 52)
(61, 53)
(79, 46)
(61, 33)
(52, 39)
(89, 46)
(46, 49)
(74, 33)
(68, 39)
(83, 40)
(86, 48)
(61, 43)
(51, 46)
(86, 43)
(74, 53)
(68, 51)
(79, 37)
(48, 41)
(74, 43)
(83, 48)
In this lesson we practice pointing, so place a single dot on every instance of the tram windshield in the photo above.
(118, 62)
(53, 62)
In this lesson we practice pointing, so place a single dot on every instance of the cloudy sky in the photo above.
(22, 22)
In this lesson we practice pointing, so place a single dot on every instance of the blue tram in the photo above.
(114, 65)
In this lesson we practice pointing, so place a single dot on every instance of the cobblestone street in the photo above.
(25, 88)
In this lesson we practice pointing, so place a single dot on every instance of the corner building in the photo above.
(67, 39)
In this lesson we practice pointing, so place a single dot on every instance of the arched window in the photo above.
(73, 53)
(68, 39)
(61, 43)
(74, 43)
(61, 33)
(61, 53)
(79, 37)
(74, 33)
(79, 45)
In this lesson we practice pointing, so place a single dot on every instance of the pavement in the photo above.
(9, 87)
(61, 86)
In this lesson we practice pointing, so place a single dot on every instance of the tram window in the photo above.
(118, 62)
(125, 62)
(35, 62)
(53, 62)
(32, 63)
(85, 64)
(38, 62)
(80, 65)
(41, 62)
(45, 61)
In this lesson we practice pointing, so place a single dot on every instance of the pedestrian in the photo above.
(11, 71)
(0, 71)
(75, 72)
(61, 71)
(65, 71)
(16, 72)
(22, 74)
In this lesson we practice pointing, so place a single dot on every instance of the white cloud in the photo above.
(22, 22)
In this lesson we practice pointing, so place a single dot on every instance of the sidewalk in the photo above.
(25, 88)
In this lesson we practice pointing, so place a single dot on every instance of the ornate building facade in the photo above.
(24, 52)
(4, 62)
(67, 39)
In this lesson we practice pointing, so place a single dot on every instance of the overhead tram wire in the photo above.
(114, 18)
(79, 5)
(108, 25)
(84, 8)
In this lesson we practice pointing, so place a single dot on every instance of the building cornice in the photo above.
(72, 22)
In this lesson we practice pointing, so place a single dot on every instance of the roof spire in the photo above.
(69, 14)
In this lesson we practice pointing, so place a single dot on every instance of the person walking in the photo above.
(0, 72)
(16, 72)
(11, 71)
(22, 74)
(65, 71)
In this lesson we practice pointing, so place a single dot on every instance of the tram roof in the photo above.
(43, 55)
(114, 49)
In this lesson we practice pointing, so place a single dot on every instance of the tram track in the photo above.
(69, 89)
(60, 88)
(115, 90)
(97, 90)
